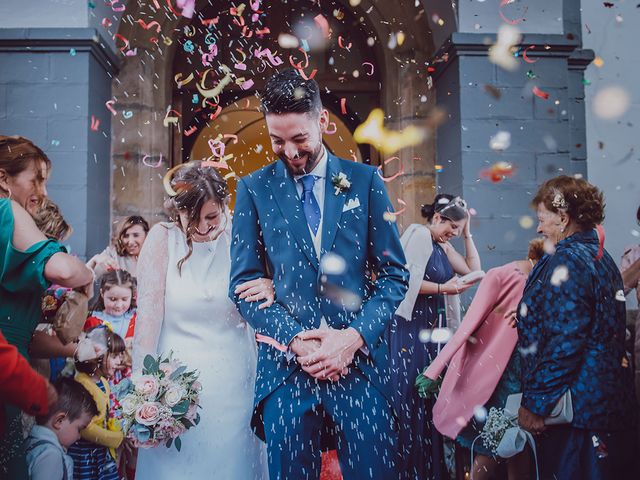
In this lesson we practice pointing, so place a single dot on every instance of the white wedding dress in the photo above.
(204, 330)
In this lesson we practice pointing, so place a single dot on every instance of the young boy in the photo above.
(47, 444)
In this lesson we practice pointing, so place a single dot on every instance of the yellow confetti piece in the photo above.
(373, 132)
(526, 222)
(598, 62)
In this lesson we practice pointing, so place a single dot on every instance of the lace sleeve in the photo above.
(152, 278)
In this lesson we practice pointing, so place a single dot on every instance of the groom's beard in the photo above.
(309, 164)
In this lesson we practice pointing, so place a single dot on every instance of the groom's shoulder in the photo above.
(356, 167)
(258, 176)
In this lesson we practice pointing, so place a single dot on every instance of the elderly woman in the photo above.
(571, 324)
(123, 254)
(30, 263)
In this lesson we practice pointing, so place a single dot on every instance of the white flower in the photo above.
(340, 183)
(129, 404)
(174, 395)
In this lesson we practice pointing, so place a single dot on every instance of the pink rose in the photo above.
(148, 413)
(147, 385)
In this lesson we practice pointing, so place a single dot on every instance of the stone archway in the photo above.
(145, 90)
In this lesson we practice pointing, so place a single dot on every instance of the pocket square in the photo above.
(351, 204)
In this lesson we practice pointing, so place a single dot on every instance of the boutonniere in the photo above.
(340, 183)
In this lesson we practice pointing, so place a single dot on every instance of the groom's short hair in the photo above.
(288, 92)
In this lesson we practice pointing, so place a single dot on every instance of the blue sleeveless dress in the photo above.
(421, 446)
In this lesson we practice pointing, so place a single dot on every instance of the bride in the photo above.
(183, 278)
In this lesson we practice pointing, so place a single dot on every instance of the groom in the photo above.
(323, 364)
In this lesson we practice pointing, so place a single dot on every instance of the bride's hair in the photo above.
(192, 185)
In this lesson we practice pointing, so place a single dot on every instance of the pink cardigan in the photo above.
(475, 367)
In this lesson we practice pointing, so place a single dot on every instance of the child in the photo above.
(115, 305)
(115, 308)
(48, 441)
(94, 455)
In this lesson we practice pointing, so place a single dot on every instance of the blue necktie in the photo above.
(309, 203)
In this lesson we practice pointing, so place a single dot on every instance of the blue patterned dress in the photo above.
(421, 446)
(571, 329)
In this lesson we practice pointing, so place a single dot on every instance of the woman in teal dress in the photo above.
(29, 263)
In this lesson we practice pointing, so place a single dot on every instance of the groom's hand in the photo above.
(336, 352)
(302, 348)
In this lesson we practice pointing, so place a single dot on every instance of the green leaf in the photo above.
(181, 408)
(169, 442)
(178, 443)
(149, 362)
(179, 371)
(197, 419)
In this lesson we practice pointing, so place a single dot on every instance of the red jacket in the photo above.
(20, 385)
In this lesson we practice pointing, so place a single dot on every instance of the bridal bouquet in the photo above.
(161, 403)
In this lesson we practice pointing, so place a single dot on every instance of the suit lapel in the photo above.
(286, 196)
(333, 204)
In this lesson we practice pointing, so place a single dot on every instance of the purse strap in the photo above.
(529, 438)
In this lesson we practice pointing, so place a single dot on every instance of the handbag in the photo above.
(561, 414)
(71, 316)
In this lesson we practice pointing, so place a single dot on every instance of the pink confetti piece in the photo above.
(152, 165)
(539, 93)
(343, 106)
(95, 123)
(149, 25)
(109, 105)
(392, 177)
(323, 25)
(273, 59)
(247, 85)
(333, 130)
(270, 341)
(372, 68)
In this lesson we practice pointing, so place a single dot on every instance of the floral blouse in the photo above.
(571, 327)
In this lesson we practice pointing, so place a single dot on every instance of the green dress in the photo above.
(22, 284)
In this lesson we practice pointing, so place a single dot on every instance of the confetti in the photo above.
(149, 25)
(396, 175)
(286, 40)
(323, 25)
(480, 413)
(526, 222)
(373, 132)
(497, 172)
(95, 123)
(500, 52)
(524, 54)
(508, 20)
(152, 165)
(598, 62)
(559, 276)
(539, 93)
(72, 52)
(109, 105)
(439, 168)
(609, 103)
(620, 296)
(371, 68)
(333, 264)
(500, 141)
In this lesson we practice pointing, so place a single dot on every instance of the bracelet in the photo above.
(468, 236)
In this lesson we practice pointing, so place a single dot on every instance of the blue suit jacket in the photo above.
(572, 334)
(271, 238)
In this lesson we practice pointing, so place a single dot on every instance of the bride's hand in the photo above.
(256, 290)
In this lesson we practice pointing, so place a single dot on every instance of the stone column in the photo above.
(54, 83)
(481, 99)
